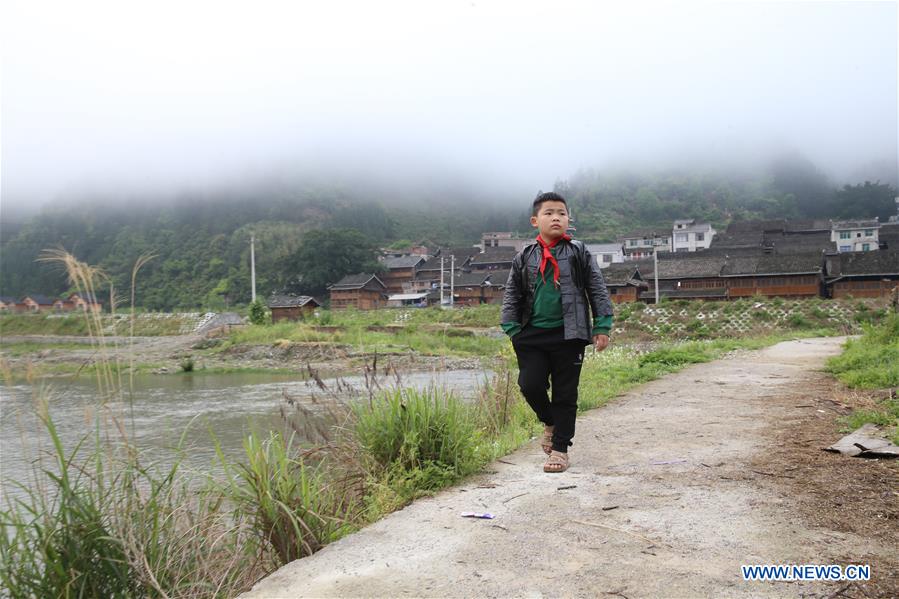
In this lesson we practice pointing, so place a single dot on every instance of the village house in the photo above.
(400, 271)
(606, 253)
(292, 307)
(496, 258)
(624, 282)
(504, 239)
(861, 274)
(685, 276)
(468, 288)
(84, 301)
(7, 303)
(855, 235)
(688, 236)
(774, 275)
(641, 243)
(362, 291)
(34, 303)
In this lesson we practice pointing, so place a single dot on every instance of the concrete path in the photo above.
(655, 504)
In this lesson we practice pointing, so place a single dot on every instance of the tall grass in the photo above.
(294, 508)
(872, 362)
(411, 430)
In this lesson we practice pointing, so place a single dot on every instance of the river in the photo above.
(162, 408)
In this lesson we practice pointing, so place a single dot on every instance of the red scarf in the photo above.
(548, 257)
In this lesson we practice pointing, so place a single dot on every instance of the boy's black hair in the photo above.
(549, 196)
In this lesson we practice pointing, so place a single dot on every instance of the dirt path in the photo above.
(672, 495)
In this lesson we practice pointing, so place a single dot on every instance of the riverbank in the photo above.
(360, 482)
(413, 340)
(672, 488)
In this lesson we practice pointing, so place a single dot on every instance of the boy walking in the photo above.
(553, 288)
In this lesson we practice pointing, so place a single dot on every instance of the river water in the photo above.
(162, 408)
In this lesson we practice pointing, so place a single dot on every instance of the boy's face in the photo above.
(551, 220)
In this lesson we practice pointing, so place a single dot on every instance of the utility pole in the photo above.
(655, 268)
(452, 279)
(253, 264)
(441, 281)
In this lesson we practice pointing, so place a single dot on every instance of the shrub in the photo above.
(258, 314)
(410, 429)
(187, 364)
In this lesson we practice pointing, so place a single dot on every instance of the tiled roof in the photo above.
(774, 264)
(839, 225)
(498, 278)
(620, 273)
(41, 300)
(356, 281)
(497, 255)
(467, 279)
(759, 226)
(876, 262)
(403, 262)
(291, 301)
(692, 265)
(647, 233)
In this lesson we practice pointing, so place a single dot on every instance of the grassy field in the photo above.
(872, 362)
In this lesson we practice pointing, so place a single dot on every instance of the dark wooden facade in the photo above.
(362, 292)
(292, 307)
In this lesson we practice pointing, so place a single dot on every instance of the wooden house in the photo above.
(684, 275)
(862, 274)
(468, 288)
(624, 282)
(492, 258)
(7, 303)
(774, 275)
(291, 307)
(362, 291)
(84, 301)
(400, 272)
(494, 287)
(34, 303)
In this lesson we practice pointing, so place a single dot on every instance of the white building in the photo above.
(641, 243)
(499, 239)
(606, 253)
(688, 236)
(855, 235)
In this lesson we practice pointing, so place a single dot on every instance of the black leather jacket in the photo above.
(581, 284)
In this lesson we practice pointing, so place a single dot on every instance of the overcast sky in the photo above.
(160, 94)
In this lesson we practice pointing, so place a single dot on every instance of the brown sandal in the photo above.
(547, 442)
(556, 462)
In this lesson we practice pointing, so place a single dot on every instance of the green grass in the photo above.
(23, 348)
(872, 362)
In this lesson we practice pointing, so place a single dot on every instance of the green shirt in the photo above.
(547, 309)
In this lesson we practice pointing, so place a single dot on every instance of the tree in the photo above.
(257, 312)
(326, 256)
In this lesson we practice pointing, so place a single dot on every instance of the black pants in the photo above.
(544, 354)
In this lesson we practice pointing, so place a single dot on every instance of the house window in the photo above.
(632, 243)
(607, 257)
(845, 248)
(869, 232)
(700, 237)
(680, 237)
(866, 247)
(845, 235)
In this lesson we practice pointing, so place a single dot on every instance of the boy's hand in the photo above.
(600, 342)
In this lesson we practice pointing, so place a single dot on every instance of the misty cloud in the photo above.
(162, 95)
